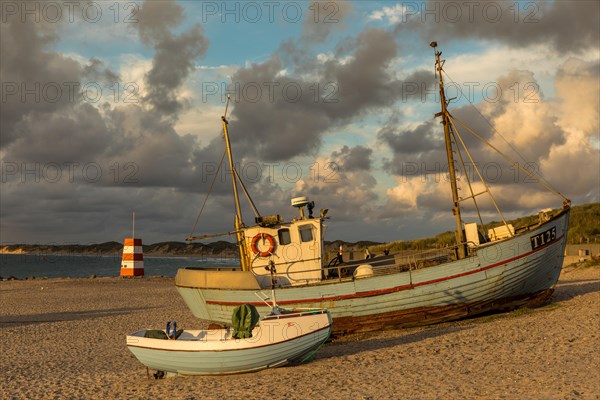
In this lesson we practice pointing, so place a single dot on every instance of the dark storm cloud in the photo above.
(566, 25)
(79, 133)
(322, 17)
(161, 155)
(173, 62)
(424, 138)
(413, 149)
(343, 182)
(38, 130)
(156, 18)
(26, 70)
(365, 81)
(174, 57)
(353, 158)
(301, 110)
(131, 148)
(276, 127)
(96, 71)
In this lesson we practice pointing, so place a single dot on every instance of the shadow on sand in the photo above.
(361, 342)
(565, 291)
(20, 320)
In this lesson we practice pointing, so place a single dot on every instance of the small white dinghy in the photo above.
(278, 339)
(250, 344)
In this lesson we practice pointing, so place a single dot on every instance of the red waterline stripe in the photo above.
(389, 290)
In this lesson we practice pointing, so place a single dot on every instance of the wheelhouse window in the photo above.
(284, 236)
(306, 234)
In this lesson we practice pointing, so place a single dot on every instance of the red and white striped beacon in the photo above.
(132, 262)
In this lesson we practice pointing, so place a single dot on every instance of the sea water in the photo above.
(83, 266)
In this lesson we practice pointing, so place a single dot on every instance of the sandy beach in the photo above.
(65, 339)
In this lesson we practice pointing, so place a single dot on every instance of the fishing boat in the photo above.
(280, 338)
(488, 268)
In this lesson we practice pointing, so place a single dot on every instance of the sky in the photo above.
(110, 108)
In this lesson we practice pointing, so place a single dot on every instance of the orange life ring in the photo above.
(263, 236)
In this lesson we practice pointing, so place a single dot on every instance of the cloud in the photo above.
(527, 121)
(76, 134)
(566, 26)
(417, 149)
(346, 181)
(543, 135)
(578, 88)
(174, 57)
(155, 19)
(353, 159)
(29, 69)
(319, 100)
(322, 18)
(575, 162)
(300, 111)
(160, 153)
(392, 15)
(365, 81)
(67, 212)
(423, 139)
(403, 197)
(75, 128)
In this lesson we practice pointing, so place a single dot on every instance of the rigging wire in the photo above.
(235, 172)
(208, 194)
(536, 176)
(455, 133)
(236, 177)
(489, 123)
(256, 213)
(487, 189)
(538, 179)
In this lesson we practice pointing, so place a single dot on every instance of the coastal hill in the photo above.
(584, 226)
(170, 249)
(220, 249)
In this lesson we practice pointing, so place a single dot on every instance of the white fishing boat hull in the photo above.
(501, 275)
(277, 340)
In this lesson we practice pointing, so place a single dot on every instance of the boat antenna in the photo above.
(460, 242)
(133, 227)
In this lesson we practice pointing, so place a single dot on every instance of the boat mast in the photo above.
(446, 121)
(239, 223)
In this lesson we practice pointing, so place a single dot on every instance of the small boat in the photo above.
(250, 344)
(489, 268)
